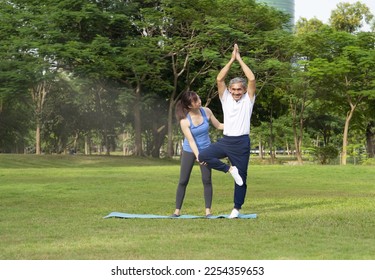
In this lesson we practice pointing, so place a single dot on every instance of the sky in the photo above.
(321, 9)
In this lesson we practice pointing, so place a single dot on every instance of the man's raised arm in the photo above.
(220, 79)
(249, 75)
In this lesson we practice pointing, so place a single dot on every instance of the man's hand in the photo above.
(237, 54)
(234, 52)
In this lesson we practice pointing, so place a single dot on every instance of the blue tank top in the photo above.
(199, 132)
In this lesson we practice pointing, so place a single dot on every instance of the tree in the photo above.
(350, 17)
(15, 116)
(348, 75)
(198, 34)
(31, 48)
(183, 29)
(370, 129)
(304, 26)
(274, 78)
(15, 121)
(37, 44)
(92, 33)
(308, 44)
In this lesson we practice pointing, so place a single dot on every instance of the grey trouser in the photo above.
(187, 162)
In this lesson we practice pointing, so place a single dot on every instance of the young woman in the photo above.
(194, 122)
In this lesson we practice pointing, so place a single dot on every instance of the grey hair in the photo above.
(238, 80)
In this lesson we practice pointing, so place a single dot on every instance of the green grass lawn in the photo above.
(52, 207)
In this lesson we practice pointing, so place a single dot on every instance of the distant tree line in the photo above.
(97, 76)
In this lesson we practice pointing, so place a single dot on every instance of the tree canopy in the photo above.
(103, 76)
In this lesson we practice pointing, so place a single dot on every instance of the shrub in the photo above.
(325, 154)
(369, 161)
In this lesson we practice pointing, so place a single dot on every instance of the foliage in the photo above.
(350, 17)
(369, 161)
(85, 72)
(325, 154)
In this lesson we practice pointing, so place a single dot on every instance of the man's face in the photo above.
(237, 91)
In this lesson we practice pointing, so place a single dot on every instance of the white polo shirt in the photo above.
(237, 114)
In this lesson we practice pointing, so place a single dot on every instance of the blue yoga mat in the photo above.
(152, 216)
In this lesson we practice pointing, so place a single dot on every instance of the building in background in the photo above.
(283, 5)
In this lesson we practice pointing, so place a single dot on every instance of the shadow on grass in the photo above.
(78, 161)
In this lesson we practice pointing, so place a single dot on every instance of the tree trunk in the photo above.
(174, 97)
(297, 144)
(344, 152)
(87, 145)
(106, 142)
(300, 137)
(261, 155)
(170, 127)
(124, 146)
(37, 138)
(137, 121)
(75, 143)
(158, 135)
(270, 144)
(370, 139)
(297, 133)
(38, 95)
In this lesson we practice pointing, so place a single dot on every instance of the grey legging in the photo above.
(187, 163)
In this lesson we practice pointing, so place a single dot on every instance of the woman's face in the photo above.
(196, 104)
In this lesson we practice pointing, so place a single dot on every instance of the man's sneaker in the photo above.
(234, 214)
(236, 176)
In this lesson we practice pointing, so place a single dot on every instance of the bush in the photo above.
(369, 161)
(325, 154)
